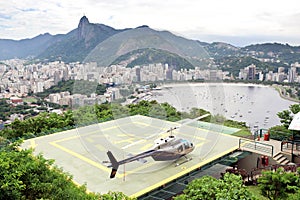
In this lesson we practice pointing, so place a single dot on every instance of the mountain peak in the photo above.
(82, 26)
(83, 20)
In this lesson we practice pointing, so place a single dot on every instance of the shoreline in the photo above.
(278, 89)
(212, 84)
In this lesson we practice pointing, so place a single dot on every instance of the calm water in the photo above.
(254, 104)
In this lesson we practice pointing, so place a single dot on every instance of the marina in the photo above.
(257, 105)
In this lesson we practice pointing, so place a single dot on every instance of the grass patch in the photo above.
(256, 192)
(244, 132)
(30, 100)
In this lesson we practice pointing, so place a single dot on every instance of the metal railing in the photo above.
(290, 146)
(259, 147)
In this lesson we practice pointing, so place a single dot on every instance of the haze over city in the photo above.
(236, 22)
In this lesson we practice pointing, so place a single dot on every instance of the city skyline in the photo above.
(235, 22)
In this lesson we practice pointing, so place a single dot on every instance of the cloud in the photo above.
(193, 18)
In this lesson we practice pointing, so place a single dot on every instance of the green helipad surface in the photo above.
(215, 127)
(82, 151)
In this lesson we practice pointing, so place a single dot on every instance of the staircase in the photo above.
(281, 159)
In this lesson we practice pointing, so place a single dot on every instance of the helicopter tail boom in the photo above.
(114, 164)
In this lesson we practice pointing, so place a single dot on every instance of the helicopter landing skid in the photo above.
(185, 161)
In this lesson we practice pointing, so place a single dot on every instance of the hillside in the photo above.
(283, 52)
(234, 64)
(25, 48)
(150, 56)
(144, 37)
(220, 49)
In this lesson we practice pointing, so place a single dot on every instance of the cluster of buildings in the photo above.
(19, 78)
(65, 98)
(251, 73)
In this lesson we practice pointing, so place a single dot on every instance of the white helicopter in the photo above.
(164, 149)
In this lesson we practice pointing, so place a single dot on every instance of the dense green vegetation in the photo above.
(75, 87)
(150, 55)
(280, 184)
(7, 109)
(234, 64)
(229, 187)
(44, 123)
(25, 176)
(271, 185)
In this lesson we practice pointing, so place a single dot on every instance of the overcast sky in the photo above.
(239, 22)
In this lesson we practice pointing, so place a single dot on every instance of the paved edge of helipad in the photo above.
(88, 167)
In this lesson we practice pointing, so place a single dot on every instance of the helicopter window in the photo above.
(186, 145)
(180, 148)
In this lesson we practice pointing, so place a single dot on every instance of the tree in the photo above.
(115, 196)
(278, 184)
(286, 116)
(25, 176)
(230, 187)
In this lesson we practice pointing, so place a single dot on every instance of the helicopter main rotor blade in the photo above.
(169, 130)
(177, 127)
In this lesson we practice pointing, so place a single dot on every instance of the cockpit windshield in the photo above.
(186, 144)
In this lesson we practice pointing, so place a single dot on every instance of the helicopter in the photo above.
(164, 149)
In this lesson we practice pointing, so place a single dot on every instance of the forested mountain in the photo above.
(25, 48)
(282, 52)
(144, 37)
(151, 55)
(233, 64)
(75, 45)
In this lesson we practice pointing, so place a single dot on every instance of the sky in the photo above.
(237, 22)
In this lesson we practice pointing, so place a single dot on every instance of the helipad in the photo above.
(81, 152)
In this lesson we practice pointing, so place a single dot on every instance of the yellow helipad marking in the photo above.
(66, 139)
(146, 147)
(32, 143)
(83, 158)
(130, 140)
(90, 140)
(142, 123)
(112, 127)
(200, 144)
(125, 135)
